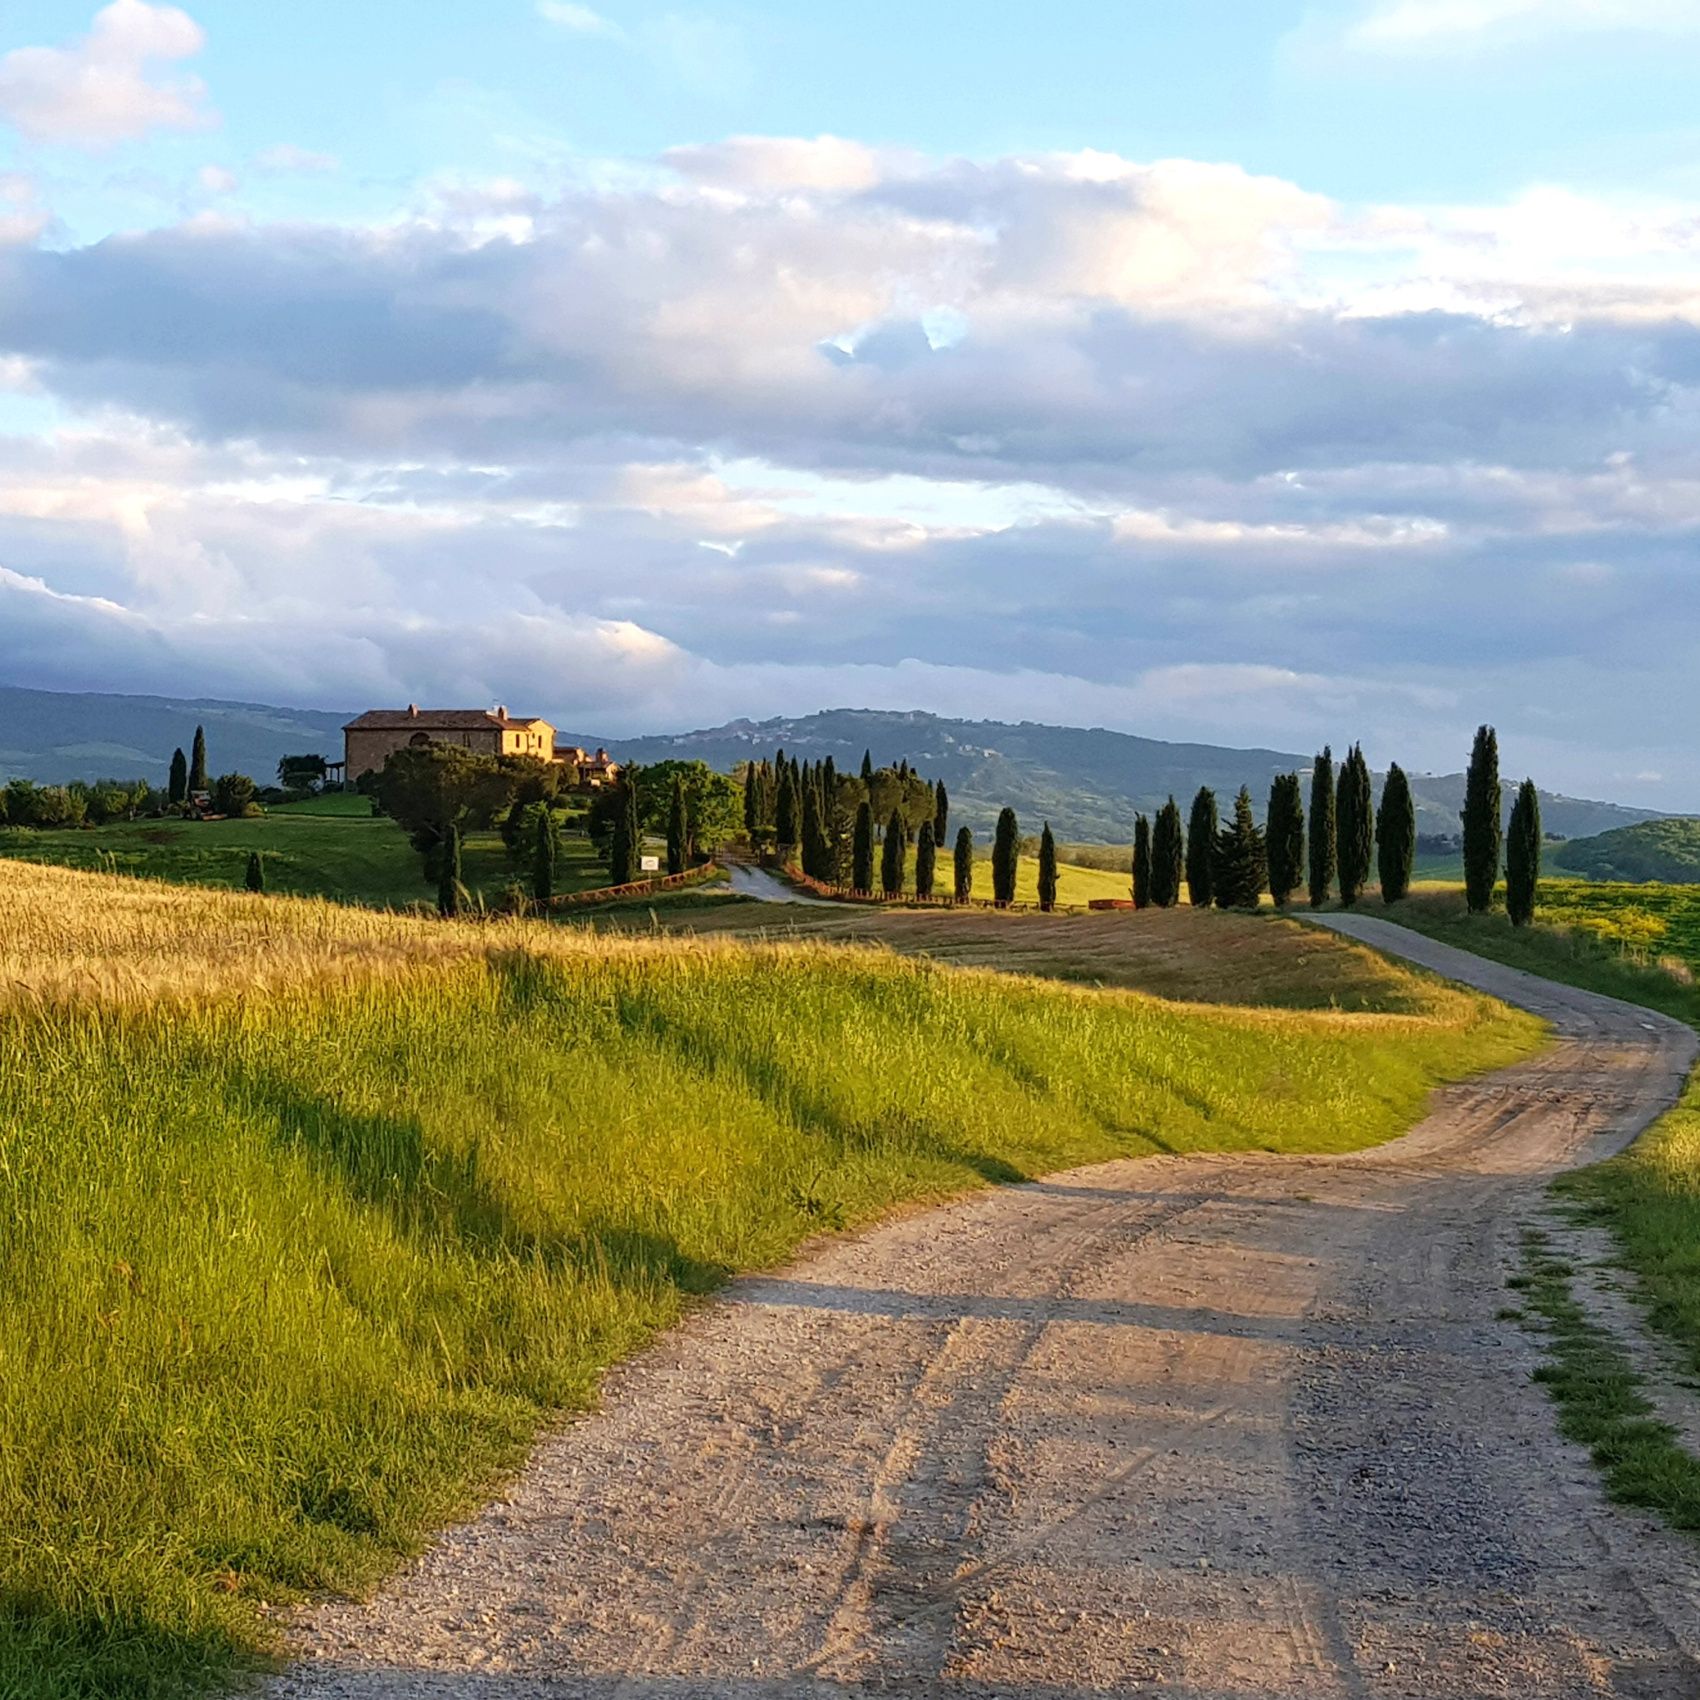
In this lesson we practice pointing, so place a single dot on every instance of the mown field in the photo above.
(310, 1215)
(332, 847)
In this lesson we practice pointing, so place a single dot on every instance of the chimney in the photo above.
(501, 711)
(413, 710)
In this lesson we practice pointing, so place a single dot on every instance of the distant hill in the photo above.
(1666, 850)
(1089, 783)
(54, 736)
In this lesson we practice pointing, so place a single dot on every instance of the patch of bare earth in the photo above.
(1214, 1426)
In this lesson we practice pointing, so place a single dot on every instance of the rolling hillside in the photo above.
(1667, 850)
(1088, 782)
(55, 736)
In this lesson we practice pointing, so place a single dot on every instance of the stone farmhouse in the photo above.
(374, 736)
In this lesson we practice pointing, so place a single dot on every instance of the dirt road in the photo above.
(1230, 1427)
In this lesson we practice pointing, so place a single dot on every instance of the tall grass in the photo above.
(308, 1218)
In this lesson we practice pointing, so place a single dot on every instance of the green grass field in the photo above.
(331, 847)
(312, 1215)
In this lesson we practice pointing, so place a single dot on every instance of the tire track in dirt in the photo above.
(1225, 1427)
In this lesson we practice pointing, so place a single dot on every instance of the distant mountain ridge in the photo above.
(55, 736)
(1088, 782)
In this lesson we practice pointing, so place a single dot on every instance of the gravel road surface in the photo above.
(1236, 1427)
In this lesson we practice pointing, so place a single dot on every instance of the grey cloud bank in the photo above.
(700, 448)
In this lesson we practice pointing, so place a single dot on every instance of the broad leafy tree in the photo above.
(1523, 855)
(1201, 831)
(1481, 819)
(1239, 870)
(1323, 835)
(1395, 835)
(1006, 857)
(426, 790)
(233, 793)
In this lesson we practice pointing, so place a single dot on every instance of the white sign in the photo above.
(649, 864)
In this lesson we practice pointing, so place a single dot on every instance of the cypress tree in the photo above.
(256, 877)
(198, 763)
(1201, 833)
(1168, 856)
(862, 852)
(543, 856)
(963, 868)
(1047, 870)
(1395, 835)
(627, 842)
(787, 823)
(926, 858)
(448, 873)
(1523, 855)
(678, 827)
(1354, 825)
(1006, 857)
(1239, 870)
(1322, 828)
(867, 767)
(1481, 820)
(1285, 839)
(752, 810)
(1141, 862)
(177, 786)
(941, 812)
(892, 856)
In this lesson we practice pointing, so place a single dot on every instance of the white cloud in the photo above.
(580, 20)
(217, 179)
(1178, 465)
(106, 88)
(1444, 25)
(285, 158)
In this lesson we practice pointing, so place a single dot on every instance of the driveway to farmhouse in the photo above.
(1237, 1427)
(770, 888)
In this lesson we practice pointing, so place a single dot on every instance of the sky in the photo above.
(1258, 373)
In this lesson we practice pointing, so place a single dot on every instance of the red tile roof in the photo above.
(440, 719)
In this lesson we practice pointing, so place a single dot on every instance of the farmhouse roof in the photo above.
(442, 719)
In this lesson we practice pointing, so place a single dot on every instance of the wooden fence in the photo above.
(632, 888)
(908, 900)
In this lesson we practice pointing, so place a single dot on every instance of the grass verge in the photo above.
(1647, 1198)
(310, 1216)
(1599, 1394)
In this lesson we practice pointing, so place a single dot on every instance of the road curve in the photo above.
(750, 881)
(1236, 1427)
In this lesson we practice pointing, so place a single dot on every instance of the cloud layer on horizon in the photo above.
(777, 422)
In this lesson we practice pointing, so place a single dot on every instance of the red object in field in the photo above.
(1109, 903)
